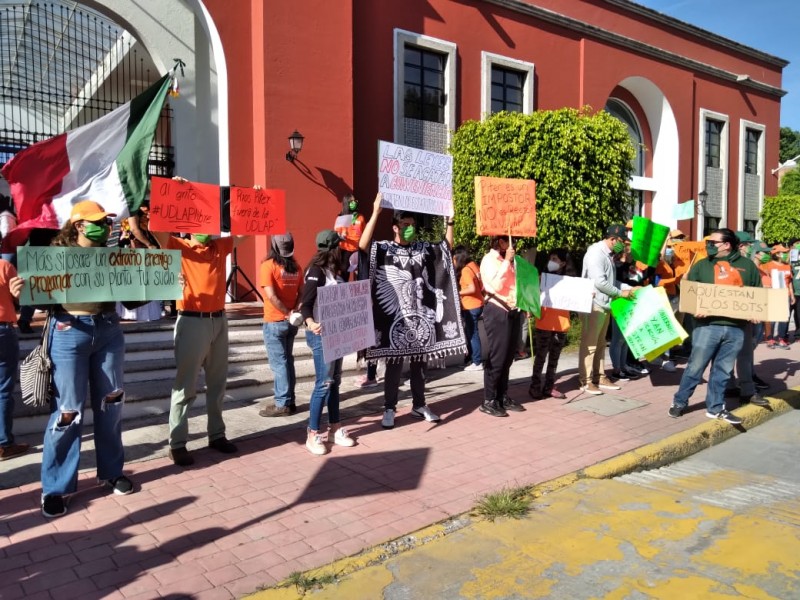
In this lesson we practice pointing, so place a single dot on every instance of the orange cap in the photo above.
(88, 210)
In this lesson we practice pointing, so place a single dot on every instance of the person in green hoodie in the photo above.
(716, 340)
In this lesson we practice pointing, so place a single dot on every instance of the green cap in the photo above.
(745, 237)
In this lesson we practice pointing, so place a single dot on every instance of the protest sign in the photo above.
(185, 207)
(415, 180)
(683, 211)
(567, 293)
(69, 274)
(257, 212)
(647, 322)
(749, 303)
(342, 221)
(527, 285)
(505, 206)
(345, 313)
(648, 240)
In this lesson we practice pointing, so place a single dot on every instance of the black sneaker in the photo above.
(25, 327)
(620, 375)
(53, 506)
(181, 457)
(760, 383)
(493, 410)
(724, 415)
(223, 445)
(675, 411)
(510, 405)
(756, 399)
(122, 486)
(535, 393)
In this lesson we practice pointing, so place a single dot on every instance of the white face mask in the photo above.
(553, 266)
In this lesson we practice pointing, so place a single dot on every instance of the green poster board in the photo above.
(528, 295)
(648, 240)
(647, 322)
(59, 275)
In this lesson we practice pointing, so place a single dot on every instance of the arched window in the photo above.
(620, 110)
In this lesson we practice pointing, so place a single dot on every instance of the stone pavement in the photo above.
(230, 525)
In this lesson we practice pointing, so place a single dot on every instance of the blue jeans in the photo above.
(88, 355)
(618, 348)
(279, 340)
(471, 330)
(9, 359)
(326, 386)
(718, 345)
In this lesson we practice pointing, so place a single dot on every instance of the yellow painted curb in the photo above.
(657, 454)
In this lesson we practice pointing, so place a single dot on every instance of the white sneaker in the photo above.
(423, 412)
(315, 445)
(668, 366)
(388, 419)
(342, 438)
(473, 367)
(365, 382)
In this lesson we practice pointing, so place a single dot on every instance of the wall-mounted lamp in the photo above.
(295, 145)
(702, 198)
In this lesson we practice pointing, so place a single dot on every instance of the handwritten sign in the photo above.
(648, 240)
(647, 322)
(503, 205)
(415, 180)
(257, 212)
(185, 207)
(750, 303)
(345, 313)
(567, 293)
(58, 274)
(683, 211)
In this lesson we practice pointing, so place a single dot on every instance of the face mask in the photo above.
(203, 238)
(352, 206)
(784, 256)
(745, 251)
(668, 254)
(618, 247)
(408, 233)
(764, 259)
(95, 233)
(711, 249)
(553, 266)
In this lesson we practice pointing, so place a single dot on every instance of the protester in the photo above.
(135, 233)
(794, 262)
(668, 277)
(280, 278)
(549, 337)
(349, 232)
(598, 265)
(415, 306)
(470, 290)
(781, 277)
(323, 270)
(87, 350)
(716, 340)
(629, 273)
(10, 287)
(501, 321)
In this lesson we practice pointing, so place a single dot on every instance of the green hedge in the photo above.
(780, 219)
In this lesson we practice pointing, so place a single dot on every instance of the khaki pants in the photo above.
(592, 354)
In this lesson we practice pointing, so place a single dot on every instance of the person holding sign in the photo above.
(781, 277)
(87, 350)
(10, 288)
(470, 289)
(716, 340)
(325, 269)
(349, 226)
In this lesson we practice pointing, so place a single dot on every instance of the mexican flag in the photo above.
(105, 161)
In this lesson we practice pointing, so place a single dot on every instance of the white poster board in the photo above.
(568, 293)
(415, 180)
(345, 313)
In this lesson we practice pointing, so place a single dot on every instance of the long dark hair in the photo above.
(461, 259)
(67, 235)
(327, 260)
(287, 263)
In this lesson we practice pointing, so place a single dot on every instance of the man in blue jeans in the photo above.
(716, 340)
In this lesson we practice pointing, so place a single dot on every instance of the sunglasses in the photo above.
(106, 221)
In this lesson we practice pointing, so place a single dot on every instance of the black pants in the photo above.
(391, 383)
(502, 333)
(547, 346)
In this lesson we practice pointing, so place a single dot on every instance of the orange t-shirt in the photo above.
(471, 275)
(351, 234)
(7, 312)
(286, 286)
(204, 271)
(553, 319)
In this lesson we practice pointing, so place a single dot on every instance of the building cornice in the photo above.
(743, 80)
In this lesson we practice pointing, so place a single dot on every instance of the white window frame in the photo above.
(489, 60)
(403, 38)
(744, 125)
(724, 149)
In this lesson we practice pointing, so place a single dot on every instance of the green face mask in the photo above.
(745, 251)
(764, 259)
(711, 249)
(353, 205)
(96, 233)
(618, 247)
(784, 256)
(409, 233)
(203, 238)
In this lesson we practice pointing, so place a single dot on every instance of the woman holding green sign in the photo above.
(87, 350)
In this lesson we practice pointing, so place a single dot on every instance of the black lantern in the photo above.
(295, 145)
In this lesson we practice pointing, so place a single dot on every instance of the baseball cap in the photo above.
(745, 237)
(779, 248)
(760, 247)
(677, 233)
(283, 244)
(327, 239)
(629, 224)
(617, 230)
(88, 210)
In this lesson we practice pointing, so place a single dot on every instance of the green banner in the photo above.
(59, 274)
(529, 297)
(647, 322)
(648, 240)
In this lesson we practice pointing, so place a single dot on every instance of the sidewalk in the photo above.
(230, 525)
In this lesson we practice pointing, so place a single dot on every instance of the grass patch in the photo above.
(508, 502)
(305, 583)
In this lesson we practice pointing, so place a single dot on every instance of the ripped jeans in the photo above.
(88, 354)
(326, 386)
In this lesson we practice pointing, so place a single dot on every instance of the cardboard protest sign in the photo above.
(647, 322)
(683, 211)
(68, 274)
(648, 240)
(567, 293)
(257, 212)
(185, 207)
(749, 303)
(415, 180)
(527, 285)
(505, 206)
(345, 313)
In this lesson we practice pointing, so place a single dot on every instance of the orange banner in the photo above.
(188, 207)
(505, 206)
(257, 212)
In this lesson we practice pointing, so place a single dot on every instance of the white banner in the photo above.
(345, 313)
(567, 293)
(415, 180)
